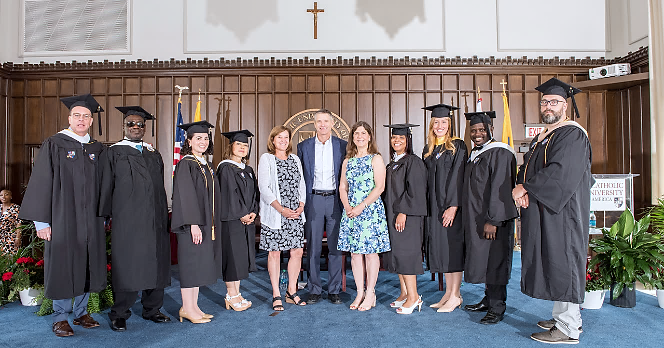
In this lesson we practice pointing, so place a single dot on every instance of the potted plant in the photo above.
(25, 280)
(23, 277)
(595, 288)
(627, 253)
(657, 223)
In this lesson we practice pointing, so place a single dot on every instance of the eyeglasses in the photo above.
(84, 116)
(131, 124)
(552, 102)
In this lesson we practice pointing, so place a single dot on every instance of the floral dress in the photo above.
(8, 222)
(291, 234)
(366, 233)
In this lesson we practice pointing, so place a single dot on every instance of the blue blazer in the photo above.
(306, 151)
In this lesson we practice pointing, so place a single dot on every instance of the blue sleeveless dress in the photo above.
(366, 233)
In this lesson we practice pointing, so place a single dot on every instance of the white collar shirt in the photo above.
(324, 178)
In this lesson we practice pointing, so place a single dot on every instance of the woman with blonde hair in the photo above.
(282, 194)
(445, 157)
(363, 229)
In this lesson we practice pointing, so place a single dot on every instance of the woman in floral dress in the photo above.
(10, 239)
(363, 229)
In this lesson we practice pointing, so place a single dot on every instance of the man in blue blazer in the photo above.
(321, 158)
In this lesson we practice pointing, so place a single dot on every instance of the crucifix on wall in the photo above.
(315, 12)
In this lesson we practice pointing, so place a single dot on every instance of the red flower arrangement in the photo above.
(594, 280)
(22, 260)
(108, 267)
(24, 273)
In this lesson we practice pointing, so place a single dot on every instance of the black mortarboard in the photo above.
(86, 101)
(481, 117)
(556, 87)
(135, 110)
(401, 128)
(441, 110)
(241, 136)
(196, 127)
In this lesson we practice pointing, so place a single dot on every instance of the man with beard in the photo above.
(61, 199)
(132, 193)
(553, 191)
(488, 216)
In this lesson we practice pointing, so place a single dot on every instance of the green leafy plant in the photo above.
(628, 252)
(657, 216)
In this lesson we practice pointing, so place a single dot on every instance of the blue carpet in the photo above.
(327, 325)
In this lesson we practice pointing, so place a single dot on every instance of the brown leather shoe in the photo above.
(62, 329)
(86, 321)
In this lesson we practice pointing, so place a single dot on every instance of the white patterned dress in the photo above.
(291, 234)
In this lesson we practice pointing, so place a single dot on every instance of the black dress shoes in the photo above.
(334, 298)
(119, 324)
(478, 307)
(491, 318)
(158, 317)
(313, 298)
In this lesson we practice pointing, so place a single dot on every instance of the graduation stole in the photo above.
(542, 138)
(492, 145)
(206, 186)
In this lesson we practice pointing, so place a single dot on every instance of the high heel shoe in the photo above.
(397, 304)
(409, 310)
(207, 316)
(354, 306)
(451, 305)
(373, 304)
(438, 304)
(237, 306)
(184, 314)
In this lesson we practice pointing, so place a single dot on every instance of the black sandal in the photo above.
(291, 299)
(278, 307)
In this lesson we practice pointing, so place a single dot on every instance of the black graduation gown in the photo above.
(64, 192)
(487, 192)
(195, 197)
(240, 190)
(554, 227)
(405, 192)
(132, 193)
(444, 246)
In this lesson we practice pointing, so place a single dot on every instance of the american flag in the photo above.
(179, 137)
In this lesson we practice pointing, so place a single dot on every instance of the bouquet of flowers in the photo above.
(594, 280)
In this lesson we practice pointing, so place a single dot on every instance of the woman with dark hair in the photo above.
(10, 238)
(195, 198)
(405, 206)
(363, 229)
(237, 212)
(283, 193)
(445, 157)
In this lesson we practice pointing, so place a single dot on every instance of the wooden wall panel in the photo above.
(82, 86)
(4, 131)
(258, 98)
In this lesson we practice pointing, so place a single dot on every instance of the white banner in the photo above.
(608, 195)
